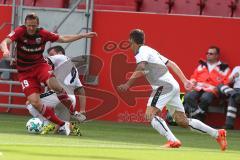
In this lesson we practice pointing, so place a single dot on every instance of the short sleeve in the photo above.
(142, 55)
(50, 36)
(16, 33)
(164, 59)
(235, 70)
(52, 60)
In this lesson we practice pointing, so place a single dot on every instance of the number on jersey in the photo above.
(25, 84)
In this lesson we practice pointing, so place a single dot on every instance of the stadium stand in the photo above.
(123, 5)
(192, 7)
(9, 2)
(52, 3)
(235, 8)
(217, 8)
(41, 3)
(157, 6)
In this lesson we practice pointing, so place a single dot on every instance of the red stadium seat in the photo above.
(159, 6)
(9, 2)
(122, 5)
(235, 6)
(40, 3)
(191, 7)
(115, 2)
(217, 8)
(47, 3)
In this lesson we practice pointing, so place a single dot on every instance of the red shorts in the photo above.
(31, 79)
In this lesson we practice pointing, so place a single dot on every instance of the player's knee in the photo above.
(36, 103)
(149, 117)
(182, 121)
(57, 89)
(54, 85)
(150, 113)
(79, 91)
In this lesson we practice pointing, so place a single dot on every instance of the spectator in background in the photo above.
(234, 97)
(206, 77)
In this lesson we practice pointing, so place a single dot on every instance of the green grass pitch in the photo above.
(109, 141)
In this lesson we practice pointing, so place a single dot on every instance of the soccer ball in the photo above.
(34, 125)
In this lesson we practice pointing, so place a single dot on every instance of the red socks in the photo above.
(66, 101)
(48, 113)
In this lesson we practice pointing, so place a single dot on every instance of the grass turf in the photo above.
(109, 141)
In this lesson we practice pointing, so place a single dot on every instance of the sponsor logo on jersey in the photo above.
(38, 40)
(31, 49)
(11, 34)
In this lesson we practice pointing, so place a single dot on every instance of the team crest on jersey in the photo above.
(38, 40)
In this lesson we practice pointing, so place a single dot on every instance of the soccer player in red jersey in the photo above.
(31, 65)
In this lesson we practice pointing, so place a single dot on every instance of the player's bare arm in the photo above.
(187, 84)
(139, 72)
(4, 47)
(71, 38)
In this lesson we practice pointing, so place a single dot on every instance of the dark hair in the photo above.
(216, 48)
(32, 16)
(57, 49)
(137, 36)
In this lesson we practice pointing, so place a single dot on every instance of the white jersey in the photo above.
(166, 91)
(71, 80)
(237, 79)
(156, 70)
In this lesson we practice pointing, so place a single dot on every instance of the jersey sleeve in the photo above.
(234, 71)
(16, 33)
(50, 36)
(51, 59)
(142, 55)
(164, 59)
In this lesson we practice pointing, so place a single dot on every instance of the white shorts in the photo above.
(159, 99)
(70, 81)
(50, 99)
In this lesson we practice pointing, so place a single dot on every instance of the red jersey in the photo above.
(30, 48)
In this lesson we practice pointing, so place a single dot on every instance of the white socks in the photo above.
(160, 125)
(199, 126)
(34, 112)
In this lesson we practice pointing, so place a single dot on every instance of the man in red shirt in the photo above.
(31, 65)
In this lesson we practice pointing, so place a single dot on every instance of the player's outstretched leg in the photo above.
(220, 135)
(196, 125)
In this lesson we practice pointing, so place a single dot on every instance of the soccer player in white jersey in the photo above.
(70, 81)
(74, 86)
(166, 92)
